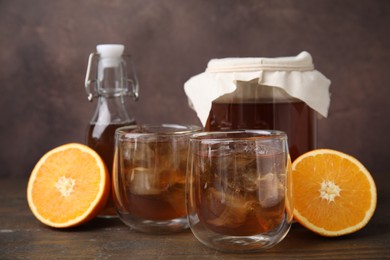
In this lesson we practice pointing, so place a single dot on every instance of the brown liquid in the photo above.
(294, 118)
(233, 198)
(151, 179)
(101, 138)
(167, 205)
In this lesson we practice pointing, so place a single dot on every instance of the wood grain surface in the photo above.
(23, 237)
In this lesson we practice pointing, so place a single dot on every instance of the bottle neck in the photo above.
(112, 81)
(111, 109)
(111, 87)
(111, 77)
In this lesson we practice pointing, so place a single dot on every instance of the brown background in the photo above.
(44, 47)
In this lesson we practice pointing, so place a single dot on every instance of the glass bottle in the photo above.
(111, 86)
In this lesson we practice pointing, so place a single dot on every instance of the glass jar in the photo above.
(283, 94)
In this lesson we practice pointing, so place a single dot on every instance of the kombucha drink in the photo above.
(233, 198)
(291, 116)
(153, 179)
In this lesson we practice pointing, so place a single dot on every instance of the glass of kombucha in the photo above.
(149, 176)
(238, 189)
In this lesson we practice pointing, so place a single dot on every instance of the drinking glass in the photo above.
(149, 176)
(238, 191)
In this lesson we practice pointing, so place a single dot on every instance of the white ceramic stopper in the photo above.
(110, 54)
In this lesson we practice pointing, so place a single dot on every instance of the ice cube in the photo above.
(141, 181)
(167, 178)
(229, 210)
(248, 175)
(271, 190)
(137, 153)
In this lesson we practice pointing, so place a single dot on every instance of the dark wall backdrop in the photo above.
(44, 47)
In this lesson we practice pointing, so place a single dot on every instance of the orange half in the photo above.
(68, 186)
(333, 193)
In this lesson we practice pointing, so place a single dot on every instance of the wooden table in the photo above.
(23, 237)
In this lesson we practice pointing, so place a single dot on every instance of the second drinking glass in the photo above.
(149, 176)
(239, 189)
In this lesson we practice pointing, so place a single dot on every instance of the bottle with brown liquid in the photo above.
(112, 86)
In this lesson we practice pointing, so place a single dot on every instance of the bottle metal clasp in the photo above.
(91, 82)
(133, 80)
